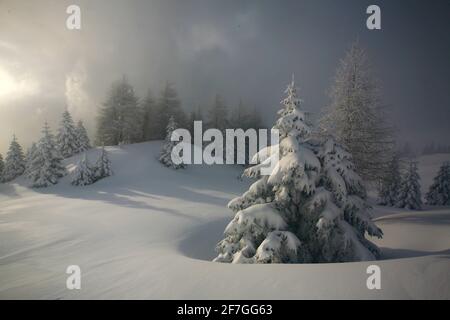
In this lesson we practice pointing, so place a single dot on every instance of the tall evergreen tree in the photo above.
(356, 118)
(391, 184)
(46, 166)
(168, 106)
(102, 168)
(241, 117)
(14, 161)
(120, 119)
(439, 193)
(149, 113)
(195, 115)
(255, 119)
(83, 139)
(67, 137)
(217, 116)
(2, 167)
(410, 196)
(166, 152)
(311, 208)
(31, 152)
(84, 173)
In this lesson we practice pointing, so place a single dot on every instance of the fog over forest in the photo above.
(240, 49)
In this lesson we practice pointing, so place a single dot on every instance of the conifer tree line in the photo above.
(439, 192)
(433, 148)
(42, 162)
(124, 118)
(401, 186)
(86, 174)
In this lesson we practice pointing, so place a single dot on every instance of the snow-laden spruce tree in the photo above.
(439, 193)
(14, 161)
(217, 117)
(67, 137)
(390, 184)
(166, 152)
(355, 116)
(311, 208)
(84, 174)
(120, 119)
(2, 166)
(46, 164)
(195, 115)
(82, 137)
(410, 196)
(29, 159)
(168, 105)
(148, 107)
(102, 167)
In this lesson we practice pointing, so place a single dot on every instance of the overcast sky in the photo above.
(240, 49)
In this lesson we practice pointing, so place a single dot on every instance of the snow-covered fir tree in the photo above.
(390, 184)
(311, 208)
(67, 137)
(29, 159)
(14, 161)
(84, 174)
(217, 116)
(168, 105)
(102, 168)
(255, 120)
(46, 165)
(355, 116)
(166, 152)
(195, 115)
(439, 193)
(241, 117)
(2, 166)
(148, 107)
(82, 137)
(120, 118)
(410, 196)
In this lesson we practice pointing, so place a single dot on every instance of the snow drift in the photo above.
(149, 232)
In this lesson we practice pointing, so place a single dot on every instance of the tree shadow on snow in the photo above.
(7, 189)
(200, 243)
(118, 196)
(418, 217)
(129, 194)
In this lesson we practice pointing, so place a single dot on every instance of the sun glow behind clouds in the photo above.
(16, 87)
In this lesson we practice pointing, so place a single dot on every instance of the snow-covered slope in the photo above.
(150, 232)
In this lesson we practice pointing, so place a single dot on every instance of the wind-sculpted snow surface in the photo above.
(148, 232)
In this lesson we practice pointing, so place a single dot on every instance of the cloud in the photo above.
(79, 103)
(205, 37)
(240, 49)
